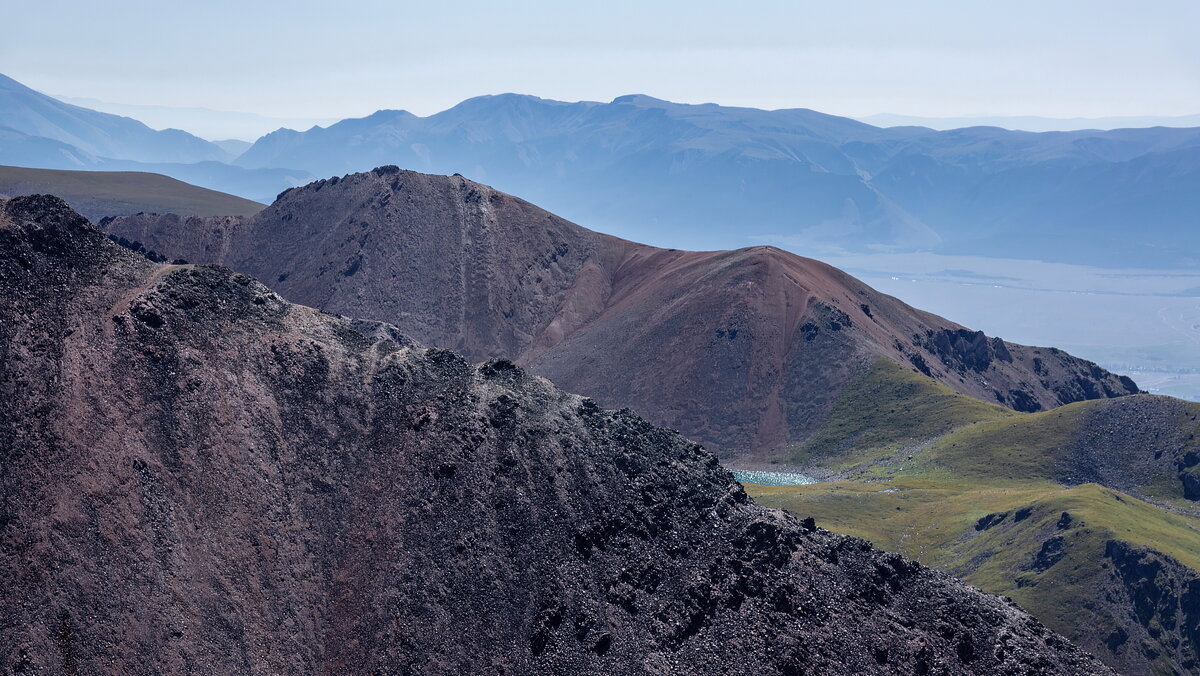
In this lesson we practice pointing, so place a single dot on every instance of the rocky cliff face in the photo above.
(1160, 598)
(199, 477)
(743, 350)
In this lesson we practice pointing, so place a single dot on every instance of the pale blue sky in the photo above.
(340, 59)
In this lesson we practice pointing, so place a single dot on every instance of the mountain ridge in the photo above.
(743, 350)
(202, 476)
(712, 177)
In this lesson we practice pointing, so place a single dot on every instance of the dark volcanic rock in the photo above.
(745, 351)
(199, 477)
(961, 349)
(1163, 601)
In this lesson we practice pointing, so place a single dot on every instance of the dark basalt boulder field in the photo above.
(199, 477)
(745, 351)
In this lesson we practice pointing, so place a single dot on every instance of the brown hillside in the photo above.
(744, 350)
(99, 194)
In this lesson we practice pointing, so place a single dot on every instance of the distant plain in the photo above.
(1138, 322)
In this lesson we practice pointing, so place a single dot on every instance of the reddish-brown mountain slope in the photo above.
(744, 350)
(199, 477)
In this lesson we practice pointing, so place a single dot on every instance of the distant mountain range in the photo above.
(1031, 122)
(204, 122)
(41, 132)
(707, 176)
(29, 112)
(745, 351)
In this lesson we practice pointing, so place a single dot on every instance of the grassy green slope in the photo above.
(928, 519)
(97, 194)
(892, 422)
(1145, 445)
(887, 410)
(1013, 540)
(980, 491)
(1006, 450)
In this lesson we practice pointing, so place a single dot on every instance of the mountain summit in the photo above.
(746, 350)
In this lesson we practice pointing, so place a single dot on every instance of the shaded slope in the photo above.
(1146, 445)
(890, 423)
(97, 194)
(746, 350)
(199, 476)
(887, 412)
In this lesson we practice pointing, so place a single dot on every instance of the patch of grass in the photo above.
(913, 516)
(886, 409)
(1020, 448)
(926, 519)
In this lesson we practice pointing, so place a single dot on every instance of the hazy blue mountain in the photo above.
(23, 150)
(233, 146)
(262, 185)
(707, 176)
(35, 114)
(203, 122)
(1032, 122)
(40, 132)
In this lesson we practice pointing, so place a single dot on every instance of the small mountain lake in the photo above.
(772, 478)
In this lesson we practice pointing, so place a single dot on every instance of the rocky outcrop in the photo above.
(963, 350)
(1189, 474)
(1161, 602)
(199, 477)
(745, 350)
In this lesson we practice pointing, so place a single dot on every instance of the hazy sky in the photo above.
(341, 59)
